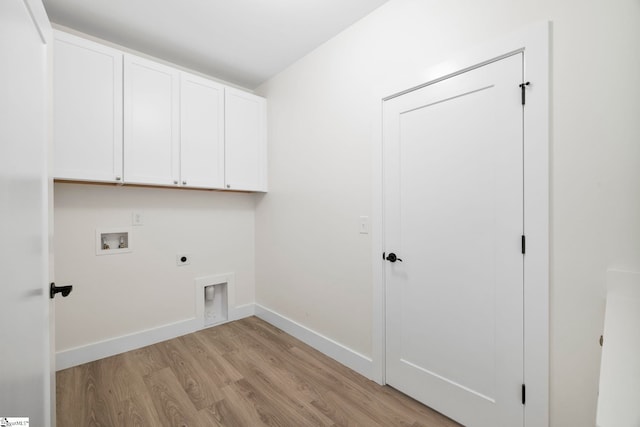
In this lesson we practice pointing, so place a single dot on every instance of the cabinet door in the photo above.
(201, 132)
(87, 110)
(245, 141)
(151, 109)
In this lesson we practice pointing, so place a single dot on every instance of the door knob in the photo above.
(64, 290)
(393, 258)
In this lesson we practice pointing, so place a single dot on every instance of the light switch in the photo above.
(363, 225)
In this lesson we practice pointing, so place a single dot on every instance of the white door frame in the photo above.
(534, 42)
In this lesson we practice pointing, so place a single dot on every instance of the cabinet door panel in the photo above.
(245, 141)
(87, 110)
(202, 132)
(151, 139)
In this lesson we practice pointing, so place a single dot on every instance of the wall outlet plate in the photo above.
(183, 259)
(137, 218)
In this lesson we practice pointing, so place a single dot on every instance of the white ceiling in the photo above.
(241, 41)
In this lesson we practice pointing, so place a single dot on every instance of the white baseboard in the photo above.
(241, 312)
(348, 357)
(99, 350)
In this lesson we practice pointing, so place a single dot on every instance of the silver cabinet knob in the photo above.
(228, 186)
(175, 182)
(118, 178)
(184, 182)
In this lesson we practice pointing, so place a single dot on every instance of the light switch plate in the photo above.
(363, 225)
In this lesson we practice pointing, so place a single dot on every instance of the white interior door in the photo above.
(453, 189)
(24, 316)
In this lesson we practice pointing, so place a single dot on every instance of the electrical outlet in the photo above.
(137, 218)
(183, 259)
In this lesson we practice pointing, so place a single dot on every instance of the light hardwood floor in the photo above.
(243, 373)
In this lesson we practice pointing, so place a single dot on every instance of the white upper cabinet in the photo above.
(245, 141)
(121, 118)
(87, 110)
(201, 132)
(151, 122)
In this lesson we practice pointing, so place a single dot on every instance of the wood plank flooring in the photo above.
(243, 373)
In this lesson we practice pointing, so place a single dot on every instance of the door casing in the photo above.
(534, 43)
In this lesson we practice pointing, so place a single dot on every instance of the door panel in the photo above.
(454, 215)
(151, 123)
(87, 107)
(245, 141)
(202, 132)
(24, 315)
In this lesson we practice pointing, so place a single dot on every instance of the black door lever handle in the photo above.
(393, 258)
(64, 290)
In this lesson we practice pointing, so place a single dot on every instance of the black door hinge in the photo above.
(524, 393)
(522, 88)
(524, 245)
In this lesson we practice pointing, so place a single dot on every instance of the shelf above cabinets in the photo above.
(121, 118)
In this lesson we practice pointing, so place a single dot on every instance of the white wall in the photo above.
(117, 295)
(314, 267)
